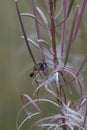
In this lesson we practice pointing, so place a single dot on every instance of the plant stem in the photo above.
(52, 30)
(24, 33)
(37, 29)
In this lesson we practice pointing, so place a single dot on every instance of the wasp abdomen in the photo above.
(32, 73)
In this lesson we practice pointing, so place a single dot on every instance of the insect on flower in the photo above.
(41, 66)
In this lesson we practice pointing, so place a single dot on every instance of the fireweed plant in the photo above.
(52, 73)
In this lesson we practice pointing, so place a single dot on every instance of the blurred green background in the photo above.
(14, 59)
(15, 63)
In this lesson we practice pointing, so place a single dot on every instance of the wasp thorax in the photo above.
(41, 66)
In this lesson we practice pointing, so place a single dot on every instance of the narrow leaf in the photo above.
(32, 42)
(82, 65)
(80, 18)
(63, 27)
(24, 33)
(42, 15)
(70, 7)
(70, 37)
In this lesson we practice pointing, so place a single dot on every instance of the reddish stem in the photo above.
(52, 30)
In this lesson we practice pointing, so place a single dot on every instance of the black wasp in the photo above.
(41, 66)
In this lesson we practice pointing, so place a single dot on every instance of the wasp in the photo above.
(41, 66)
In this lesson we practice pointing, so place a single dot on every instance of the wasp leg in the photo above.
(35, 77)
